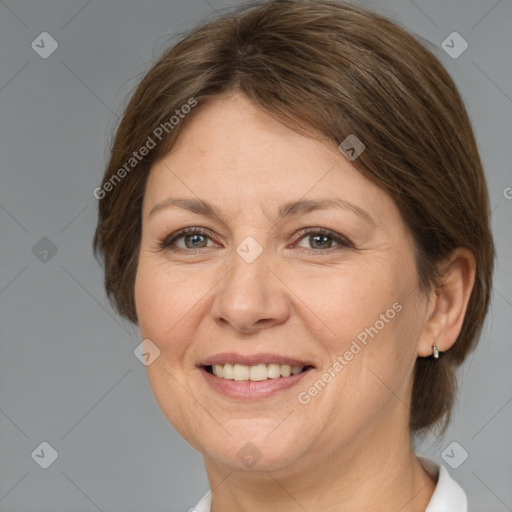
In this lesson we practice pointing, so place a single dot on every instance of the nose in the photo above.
(250, 297)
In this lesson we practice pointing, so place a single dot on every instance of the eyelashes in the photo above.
(169, 242)
(317, 236)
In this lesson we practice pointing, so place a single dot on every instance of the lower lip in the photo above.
(248, 389)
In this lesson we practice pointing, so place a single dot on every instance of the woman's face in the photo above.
(273, 282)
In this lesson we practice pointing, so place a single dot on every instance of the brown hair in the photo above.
(335, 69)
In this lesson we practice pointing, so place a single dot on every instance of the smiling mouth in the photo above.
(255, 373)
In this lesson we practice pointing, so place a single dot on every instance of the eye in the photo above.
(322, 240)
(193, 238)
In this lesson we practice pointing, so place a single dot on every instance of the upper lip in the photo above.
(252, 359)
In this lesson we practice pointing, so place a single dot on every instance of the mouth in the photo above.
(254, 373)
(252, 377)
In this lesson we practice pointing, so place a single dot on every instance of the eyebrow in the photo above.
(290, 209)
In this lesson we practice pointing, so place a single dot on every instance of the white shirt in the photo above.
(448, 495)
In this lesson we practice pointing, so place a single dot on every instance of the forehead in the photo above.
(233, 152)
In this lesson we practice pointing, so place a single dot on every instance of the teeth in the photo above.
(255, 373)
(274, 371)
(218, 370)
(227, 372)
(241, 372)
(258, 372)
(286, 370)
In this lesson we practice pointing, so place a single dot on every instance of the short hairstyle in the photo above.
(334, 69)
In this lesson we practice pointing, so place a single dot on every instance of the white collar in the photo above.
(448, 495)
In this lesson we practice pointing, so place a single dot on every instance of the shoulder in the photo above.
(203, 505)
(448, 495)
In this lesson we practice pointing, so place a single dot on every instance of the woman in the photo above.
(296, 216)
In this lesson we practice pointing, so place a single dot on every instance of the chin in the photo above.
(255, 449)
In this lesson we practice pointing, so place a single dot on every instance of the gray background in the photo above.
(68, 375)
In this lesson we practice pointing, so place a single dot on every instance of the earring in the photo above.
(435, 351)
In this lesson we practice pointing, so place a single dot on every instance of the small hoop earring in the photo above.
(435, 351)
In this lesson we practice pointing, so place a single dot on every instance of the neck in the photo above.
(372, 470)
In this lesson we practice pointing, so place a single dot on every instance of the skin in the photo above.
(349, 448)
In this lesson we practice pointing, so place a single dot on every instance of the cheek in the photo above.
(380, 375)
(150, 301)
(367, 322)
(346, 303)
(163, 300)
(162, 303)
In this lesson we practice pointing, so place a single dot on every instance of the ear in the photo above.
(448, 302)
